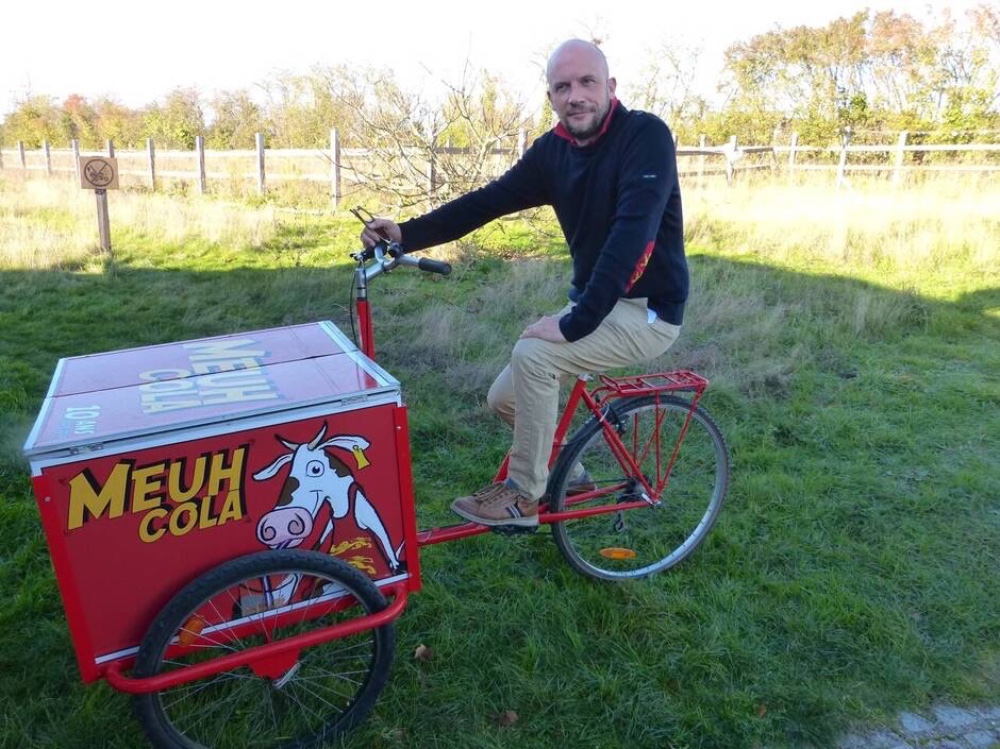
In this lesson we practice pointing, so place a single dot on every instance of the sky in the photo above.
(136, 54)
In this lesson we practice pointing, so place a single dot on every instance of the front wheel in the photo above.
(298, 699)
(631, 543)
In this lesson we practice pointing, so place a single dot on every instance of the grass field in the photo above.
(853, 342)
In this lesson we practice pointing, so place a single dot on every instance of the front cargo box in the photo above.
(153, 465)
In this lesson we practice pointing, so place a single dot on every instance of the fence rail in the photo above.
(335, 165)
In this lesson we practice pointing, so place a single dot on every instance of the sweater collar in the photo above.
(562, 132)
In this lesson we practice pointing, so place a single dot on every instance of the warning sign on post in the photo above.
(98, 173)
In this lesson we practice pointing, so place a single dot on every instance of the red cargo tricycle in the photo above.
(232, 525)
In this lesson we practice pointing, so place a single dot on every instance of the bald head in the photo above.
(577, 49)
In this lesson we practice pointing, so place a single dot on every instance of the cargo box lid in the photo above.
(103, 397)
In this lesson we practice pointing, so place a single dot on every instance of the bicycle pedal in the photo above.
(513, 530)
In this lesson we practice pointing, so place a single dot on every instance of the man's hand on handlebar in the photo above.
(380, 230)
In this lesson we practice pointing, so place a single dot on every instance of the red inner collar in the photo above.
(562, 132)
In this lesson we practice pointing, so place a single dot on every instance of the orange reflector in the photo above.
(191, 629)
(616, 552)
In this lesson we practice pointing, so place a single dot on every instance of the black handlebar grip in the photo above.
(434, 266)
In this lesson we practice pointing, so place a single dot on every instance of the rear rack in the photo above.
(659, 382)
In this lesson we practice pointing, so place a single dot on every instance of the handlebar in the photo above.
(375, 261)
(390, 255)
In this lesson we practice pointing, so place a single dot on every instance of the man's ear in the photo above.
(612, 83)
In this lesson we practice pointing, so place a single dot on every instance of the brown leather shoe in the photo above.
(498, 504)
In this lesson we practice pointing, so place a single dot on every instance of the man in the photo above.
(610, 174)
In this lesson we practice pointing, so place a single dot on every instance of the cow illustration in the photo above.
(317, 478)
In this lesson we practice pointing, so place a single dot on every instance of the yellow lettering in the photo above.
(232, 509)
(167, 386)
(261, 392)
(219, 472)
(175, 490)
(147, 533)
(205, 518)
(232, 380)
(211, 350)
(152, 405)
(147, 487)
(163, 374)
(183, 519)
(87, 498)
(232, 365)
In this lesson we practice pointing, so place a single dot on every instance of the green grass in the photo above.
(853, 357)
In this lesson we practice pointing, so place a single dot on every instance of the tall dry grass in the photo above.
(872, 228)
(760, 251)
(49, 223)
(868, 226)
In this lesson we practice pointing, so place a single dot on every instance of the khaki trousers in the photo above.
(526, 393)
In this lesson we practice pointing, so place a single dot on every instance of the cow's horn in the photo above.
(314, 442)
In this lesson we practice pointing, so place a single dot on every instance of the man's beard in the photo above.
(592, 128)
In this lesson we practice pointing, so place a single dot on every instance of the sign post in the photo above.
(100, 174)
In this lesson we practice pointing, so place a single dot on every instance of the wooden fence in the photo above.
(338, 166)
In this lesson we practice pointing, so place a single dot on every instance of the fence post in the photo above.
(702, 144)
(335, 185)
(103, 222)
(199, 147)
(20, 151)
(75, 145)
(731, 154)
(151, 155)
(261, 186)
(48, 157)
(845, 141)
(897, 172)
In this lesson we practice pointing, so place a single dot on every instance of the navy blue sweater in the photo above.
(618, 203)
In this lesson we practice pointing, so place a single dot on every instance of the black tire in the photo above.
(325, 691)
(640, 542)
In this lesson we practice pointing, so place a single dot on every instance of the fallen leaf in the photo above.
(423, 653)
(507, 718)
(761, 710)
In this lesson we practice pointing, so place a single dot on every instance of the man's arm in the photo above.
(520, 187)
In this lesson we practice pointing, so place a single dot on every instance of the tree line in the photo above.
(872, 72)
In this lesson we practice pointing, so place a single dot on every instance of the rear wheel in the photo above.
(299, 699)
(634, 543)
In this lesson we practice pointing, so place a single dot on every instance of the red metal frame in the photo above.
(608, 389)
(145, 685)
(366, 328)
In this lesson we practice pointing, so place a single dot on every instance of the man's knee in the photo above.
(530, 354)
(500, 397)
(500, 400)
